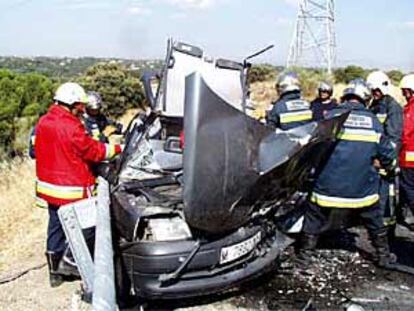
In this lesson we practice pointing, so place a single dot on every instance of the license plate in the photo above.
(238, 250)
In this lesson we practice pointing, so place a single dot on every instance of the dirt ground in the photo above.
(339, 276)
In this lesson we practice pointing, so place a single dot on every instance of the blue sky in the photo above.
(372, 33)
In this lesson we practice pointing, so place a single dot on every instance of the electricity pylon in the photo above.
(314, 43)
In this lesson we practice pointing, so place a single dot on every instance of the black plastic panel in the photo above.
(229, 64)
(188, 49)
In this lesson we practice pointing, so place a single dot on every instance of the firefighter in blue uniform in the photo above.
(324, 102)
(290, 110)
(96, 121)
(390, 114)
(32, 141)
(347, 182)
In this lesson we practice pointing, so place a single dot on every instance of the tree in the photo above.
(23, 98)
(260, 73)
(119, 89)
(395, 76)
(345, 75)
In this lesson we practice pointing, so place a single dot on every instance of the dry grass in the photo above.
(22, 226)
(128, 116)
(262, 94)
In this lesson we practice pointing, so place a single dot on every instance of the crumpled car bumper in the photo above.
(146, 262)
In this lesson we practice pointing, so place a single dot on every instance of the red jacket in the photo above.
(64, 154)
(407, 140)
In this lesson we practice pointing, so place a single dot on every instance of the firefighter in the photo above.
(407, 147)
(64, 153)
(347, 183)
(390, 114)
(96, 121)
(32, 139)
(385, 107)
(324, 102)
(290, 110)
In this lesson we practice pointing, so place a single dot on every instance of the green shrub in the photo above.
(344, 75)
(310, 79)
(22, 96)
(120, 90)
(395, 76)
(262, 72)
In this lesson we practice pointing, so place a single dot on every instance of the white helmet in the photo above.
(70, 93)
(407, 82)
(379, 80)
(357, 88)
(94, 100)
(325, 87)
(287, 82)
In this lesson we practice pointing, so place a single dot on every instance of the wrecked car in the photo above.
(200, 185)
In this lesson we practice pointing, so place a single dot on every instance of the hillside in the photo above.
(67, 67)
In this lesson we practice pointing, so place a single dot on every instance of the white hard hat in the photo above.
(407, 82)
(287, 82)
(325, 87)
(70, 93)
(94, 100)
(357, 88)
(379, 80)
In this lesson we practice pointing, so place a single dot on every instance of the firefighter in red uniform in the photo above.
(407, 148)
(64, 154)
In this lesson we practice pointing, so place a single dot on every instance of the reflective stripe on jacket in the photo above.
(290, 111)
(64, 154)
(348, 178)
(407, 139)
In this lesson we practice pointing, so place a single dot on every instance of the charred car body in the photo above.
(200, 186)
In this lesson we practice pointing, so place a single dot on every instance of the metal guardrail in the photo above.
(103, 298)
(98, 277)
(74, 217)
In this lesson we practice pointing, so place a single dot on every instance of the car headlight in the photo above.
(167, 229)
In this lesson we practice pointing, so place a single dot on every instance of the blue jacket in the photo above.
(348, 178)
(390, 114)
(95, 126)
(319, 108)
(289, 111)
(32, 141)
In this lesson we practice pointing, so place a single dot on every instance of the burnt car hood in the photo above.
(233, 164)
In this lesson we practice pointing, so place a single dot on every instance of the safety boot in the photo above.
(383, 257)
(53, 259)
(67, 265)
(402, 215)
(307, 244)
